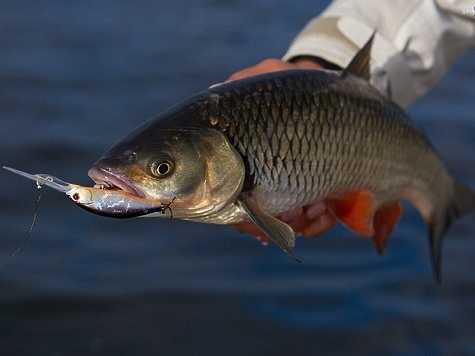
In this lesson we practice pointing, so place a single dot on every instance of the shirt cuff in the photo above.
(338, 39)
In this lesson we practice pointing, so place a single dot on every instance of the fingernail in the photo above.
(291, 215)
(315, 210)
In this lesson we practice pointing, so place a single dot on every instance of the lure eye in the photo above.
(162, 168)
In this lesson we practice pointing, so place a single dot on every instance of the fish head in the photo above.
(195, 168)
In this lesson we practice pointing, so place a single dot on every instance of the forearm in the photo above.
(416, 41)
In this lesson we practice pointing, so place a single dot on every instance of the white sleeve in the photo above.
(416, 41)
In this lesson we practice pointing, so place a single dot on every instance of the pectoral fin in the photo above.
(278, 231)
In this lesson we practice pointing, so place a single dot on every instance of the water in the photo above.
(77, 76)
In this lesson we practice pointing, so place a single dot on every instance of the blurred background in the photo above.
(75, 77)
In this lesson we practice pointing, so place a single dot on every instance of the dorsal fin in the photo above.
(359, 65)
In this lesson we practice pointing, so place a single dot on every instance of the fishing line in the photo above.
(30, 230)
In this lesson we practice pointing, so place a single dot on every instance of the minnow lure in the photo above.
(102, 201)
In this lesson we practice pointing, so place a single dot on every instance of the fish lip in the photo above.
(114, 180)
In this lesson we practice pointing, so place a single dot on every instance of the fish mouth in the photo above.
(109, 180)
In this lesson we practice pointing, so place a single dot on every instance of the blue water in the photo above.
(77, 76)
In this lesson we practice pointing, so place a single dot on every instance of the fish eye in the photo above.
(162, 167)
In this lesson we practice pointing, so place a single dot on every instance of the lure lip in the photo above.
(45, 179)
(113, 180)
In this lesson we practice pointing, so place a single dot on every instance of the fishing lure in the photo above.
(102, 201)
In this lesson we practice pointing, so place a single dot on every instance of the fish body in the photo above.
(255, 148)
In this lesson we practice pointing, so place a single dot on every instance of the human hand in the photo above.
(311, 220)
(274, 65)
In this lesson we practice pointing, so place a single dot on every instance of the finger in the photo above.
(247, 228)
(315, 210)
(266, 66)
(299, 224)
(252, 229)
(291, 215)
(320, 225)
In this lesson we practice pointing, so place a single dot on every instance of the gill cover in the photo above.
(222, 177)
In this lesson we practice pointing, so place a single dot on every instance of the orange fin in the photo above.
(355, 210)
(385, 220)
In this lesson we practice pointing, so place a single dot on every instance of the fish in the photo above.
(254, 148)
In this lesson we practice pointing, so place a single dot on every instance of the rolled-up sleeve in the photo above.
(416, 41)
